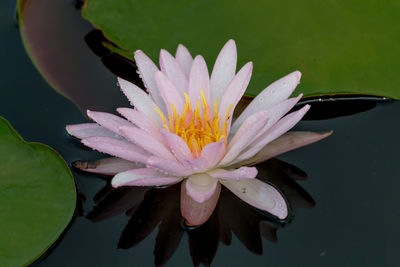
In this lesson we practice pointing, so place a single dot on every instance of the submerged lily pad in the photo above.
(53, 34)
(37, 197)
(346, 47)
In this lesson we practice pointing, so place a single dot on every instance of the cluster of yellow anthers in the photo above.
(197, 127)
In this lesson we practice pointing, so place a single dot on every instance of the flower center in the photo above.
(197, 127)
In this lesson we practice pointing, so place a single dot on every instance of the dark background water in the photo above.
(353, 177)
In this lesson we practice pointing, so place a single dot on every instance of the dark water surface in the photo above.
(353, 178)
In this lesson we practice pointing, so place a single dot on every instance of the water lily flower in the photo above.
(182, 130)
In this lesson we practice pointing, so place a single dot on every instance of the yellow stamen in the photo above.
(197, 127)
(162, 117)
(174, 112)
(170, 122)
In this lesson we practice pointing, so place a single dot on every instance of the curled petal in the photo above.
(107, 166)
(108, 121)
(170, 167)
(140, 100)
(85, 130)
(172, 69)
(184, 59)
(260, 195)
(287, 142)
(196, 213)
(224, 70)
(273, 94)
(143, 177)
(237, 174)
(281, 127)
(201, 187)
(146, 141)
(117, 148)
(147, 68)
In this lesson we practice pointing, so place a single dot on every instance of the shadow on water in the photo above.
(152, 207)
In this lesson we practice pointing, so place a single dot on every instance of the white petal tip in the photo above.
(163, 52)
(113, 184)
(68, 128)
(298, 74)
(121, 110)
(231, 42)
(181, 47)
(138, 52)
(326, 134)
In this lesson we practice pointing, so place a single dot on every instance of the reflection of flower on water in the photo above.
(183, 131)
(148, 207)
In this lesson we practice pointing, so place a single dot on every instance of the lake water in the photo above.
(353, 177)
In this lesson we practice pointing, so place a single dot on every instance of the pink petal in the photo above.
(281, 127)
(142, 121)
(146, 141)
(178, 147)
(107, 166)
(147, 68)
(223, 71)
(184, 59)
(143, 177)
(107, 120)
(117, 148)
(247, 131)
(260, 195)
(172, 69)
(196, 213)
(170, 167)
(273, 94)
(286, 142)
(201, 187)
(235, 91)
(140, 100)
(85, 130)
(276, 112)
(169, 93)
(199, 79)
(237, 174)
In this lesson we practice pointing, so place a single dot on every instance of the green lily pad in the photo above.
(37, 197)
(341, 47)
